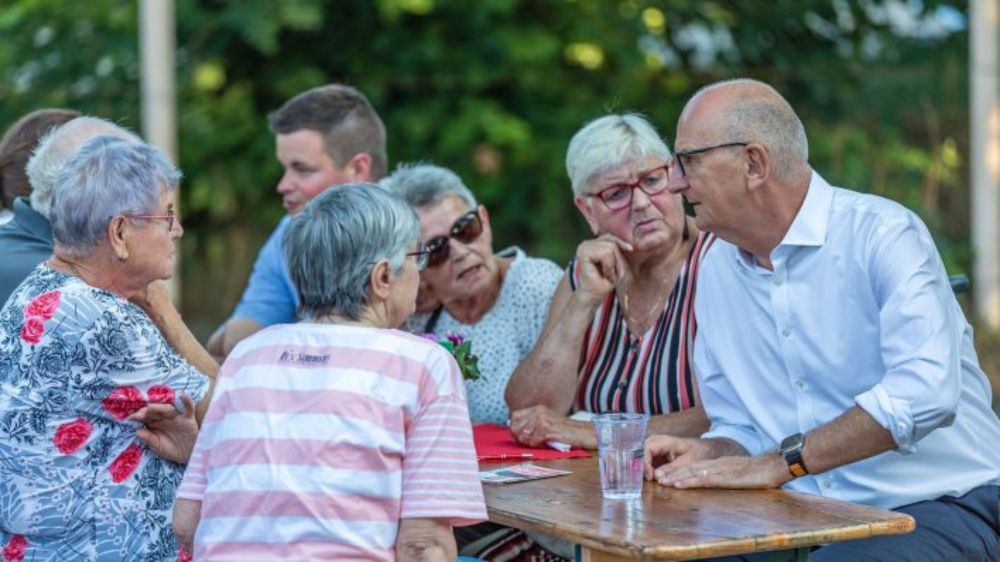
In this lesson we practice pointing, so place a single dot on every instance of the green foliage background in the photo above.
(494, 89)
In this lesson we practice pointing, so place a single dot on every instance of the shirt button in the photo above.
(778, 279)
(786, 332)
(826, 483)
(800, 385)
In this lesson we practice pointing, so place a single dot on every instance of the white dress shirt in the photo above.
(857, 311)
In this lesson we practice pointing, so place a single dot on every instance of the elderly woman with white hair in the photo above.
(338, 437)
(498, 301)
(97, 395)
(621, 329)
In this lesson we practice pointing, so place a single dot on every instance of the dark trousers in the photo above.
(949, 529)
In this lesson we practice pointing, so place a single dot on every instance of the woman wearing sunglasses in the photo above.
(620, 333)
(498, 301)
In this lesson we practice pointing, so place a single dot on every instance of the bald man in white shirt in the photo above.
(832, 356)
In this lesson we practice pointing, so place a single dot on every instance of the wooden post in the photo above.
(157, 43)
(984, 164)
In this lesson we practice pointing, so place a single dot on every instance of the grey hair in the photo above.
(759, 113)
(333, 243)
(609, 141)
(422, 184)
(106, 177)
(55, 148)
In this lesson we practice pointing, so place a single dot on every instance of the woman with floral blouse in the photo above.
(99, 377)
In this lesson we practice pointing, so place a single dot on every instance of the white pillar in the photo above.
(984, 164)
(157, 43)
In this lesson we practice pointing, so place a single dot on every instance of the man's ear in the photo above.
(583, 205)
(359, 167)
(758, 165)
(118, 236)
(379, 281)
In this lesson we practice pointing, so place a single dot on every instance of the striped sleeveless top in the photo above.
(650, 375)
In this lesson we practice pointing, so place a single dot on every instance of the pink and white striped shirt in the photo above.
(321, 437)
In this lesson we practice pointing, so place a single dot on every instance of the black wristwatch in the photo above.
(791, 449)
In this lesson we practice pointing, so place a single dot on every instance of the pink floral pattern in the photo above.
(43, 306)
(32, 330)
(126, 463)
(72, 435)
(161, 394)
(14, 551)
(75, 362)
(123, 401)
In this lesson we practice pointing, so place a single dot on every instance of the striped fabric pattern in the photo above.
(651, 374)
(321, 437)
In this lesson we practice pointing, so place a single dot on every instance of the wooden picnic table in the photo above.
(670, 524)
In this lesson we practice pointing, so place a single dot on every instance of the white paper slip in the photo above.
(519, 473)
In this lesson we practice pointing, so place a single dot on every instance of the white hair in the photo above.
(421, 184)
(106, 177)
(56, 147)
(333, 243)
(609, 141)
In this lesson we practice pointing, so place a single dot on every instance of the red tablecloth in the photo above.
(494, 441)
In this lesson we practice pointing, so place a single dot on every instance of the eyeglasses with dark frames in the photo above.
(465, 229)
(421, 256)
(619, 195)
(170, 217)
(680, 156)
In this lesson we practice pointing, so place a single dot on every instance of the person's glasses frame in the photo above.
(680, 156)
(170, 217)
(421, 256)
(465, 229)
(619, 196)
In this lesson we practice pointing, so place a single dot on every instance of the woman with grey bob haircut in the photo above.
(93, 331)
(345, 393)
(333, 244)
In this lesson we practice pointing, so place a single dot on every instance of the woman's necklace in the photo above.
(639, 326)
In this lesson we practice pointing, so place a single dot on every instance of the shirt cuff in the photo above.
(747, 437)
(891, 413)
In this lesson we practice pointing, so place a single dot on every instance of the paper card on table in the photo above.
(494, 441)
(519, 473)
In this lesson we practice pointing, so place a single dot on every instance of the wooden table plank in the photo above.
(669, 524)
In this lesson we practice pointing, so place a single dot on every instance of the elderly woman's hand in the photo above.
(601, 265)
(536, 425)
(169, 433)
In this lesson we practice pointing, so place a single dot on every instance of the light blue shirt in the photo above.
(857, 311)
(270, 297)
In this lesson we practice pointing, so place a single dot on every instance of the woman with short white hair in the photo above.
(97, 395)
(620, 333)
(338, 437)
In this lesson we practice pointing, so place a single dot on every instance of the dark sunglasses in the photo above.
(466, 228)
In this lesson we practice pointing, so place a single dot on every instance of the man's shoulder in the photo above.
(854, 208)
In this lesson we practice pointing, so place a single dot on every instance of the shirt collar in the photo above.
(31, 220)
(810, 225)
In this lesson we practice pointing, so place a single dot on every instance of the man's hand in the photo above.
(765, 471)
(536, 425)
(169, 433)
(665, 450)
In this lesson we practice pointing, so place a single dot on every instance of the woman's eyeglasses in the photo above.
(466, 228)
(421, 257)
(170, 217)
(619, 196)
